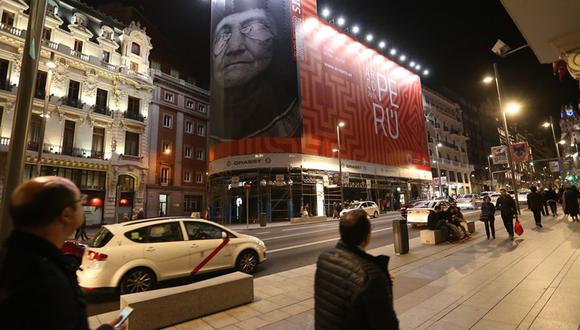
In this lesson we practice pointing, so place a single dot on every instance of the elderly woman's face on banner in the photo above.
(242, 47)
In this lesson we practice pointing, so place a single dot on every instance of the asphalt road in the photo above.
(288, 247)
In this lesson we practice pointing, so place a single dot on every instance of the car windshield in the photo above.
(423, 205)
(355, 205)
(101, 239)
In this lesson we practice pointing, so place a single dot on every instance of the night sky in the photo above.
(453, 38)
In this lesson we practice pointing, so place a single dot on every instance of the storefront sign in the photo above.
(499, 155)
(554, 166)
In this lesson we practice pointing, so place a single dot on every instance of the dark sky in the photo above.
(453, 38)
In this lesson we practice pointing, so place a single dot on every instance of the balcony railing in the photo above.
(134, 115)
(87, 153)
(73, 102)
(101, 109)
(12, 30)
(130, 157)
(80, 55)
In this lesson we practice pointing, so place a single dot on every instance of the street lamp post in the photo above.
(45, 115)
(437, 145)
(507, 134)
(490, 172)
(338, 127)
(551, 124)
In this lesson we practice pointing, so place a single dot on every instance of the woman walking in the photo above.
(571, 202)
(488, 216)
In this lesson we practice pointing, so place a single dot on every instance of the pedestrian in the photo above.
(335, 210)
(543, 192)
(551, 199)
(458, 220)
(507, 207)
(488, 216)
(141, 214)
(38, 287)
(571, 202)
(81, 232)
(353, 289)
(536, 204)
(437, 220)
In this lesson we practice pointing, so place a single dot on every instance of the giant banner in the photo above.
(339, 79)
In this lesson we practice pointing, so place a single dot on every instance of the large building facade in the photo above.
(178, 146)
(446, 135)
(94, 127)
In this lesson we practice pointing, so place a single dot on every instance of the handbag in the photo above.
(483, 218)
(518, 229)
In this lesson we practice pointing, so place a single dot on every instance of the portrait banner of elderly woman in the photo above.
(254, 86)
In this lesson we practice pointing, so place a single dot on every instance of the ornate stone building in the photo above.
(94, 129)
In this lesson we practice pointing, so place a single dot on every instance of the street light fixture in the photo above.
(551, 124)
(511, 108)
(489, 157)
(562, 142)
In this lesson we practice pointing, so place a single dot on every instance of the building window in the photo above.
(189, 104)
(134, 67)
(163, 200)
(200, 154)
(187, 152)
(169, 97)
(198, 177)
(164, 177)
(106, 56)
(188, 126)
(73, 90)
(452, 176)
(40, 90)
(46, 33)
(201, 107)
(78, 46)
(167, 120)
(186, 176)
(200, 129)
(459, 177)
(136, 48)
(466, 177)
(107, 34)
(189, 203)
(98, 143)
(8, 18)
(133, 105)
(131, 144)
(101, 102)
(79, 20)
(166, 147)
(68, 137)
(174, 73)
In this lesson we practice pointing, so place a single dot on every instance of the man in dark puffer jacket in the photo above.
(353, 289)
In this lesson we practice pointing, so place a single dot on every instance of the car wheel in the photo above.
(137, 280)
(376, 215)
(247, 262)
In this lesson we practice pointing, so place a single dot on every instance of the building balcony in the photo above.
(164, 181)
(130, 157)
(134, 116)
(12, 30)
(73, 102)
(101, 109)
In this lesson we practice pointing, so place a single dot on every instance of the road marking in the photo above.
(262, 232)
(317, 242)
(299, 234)
(317, 226)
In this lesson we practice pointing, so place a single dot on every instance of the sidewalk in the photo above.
(531, 283)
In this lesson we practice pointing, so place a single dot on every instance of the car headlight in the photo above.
(260, 243)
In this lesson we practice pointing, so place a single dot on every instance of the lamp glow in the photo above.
(382, 44)
(426, 72)
(370, 37)
(403, 58)
(325, 12)
(355, 29)
(341, 124)
(393, 51)
(488, 80)
(439, 144)
(340, 21)
(546, 124)
(513, 107)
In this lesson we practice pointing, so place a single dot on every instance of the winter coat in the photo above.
(571, 202)
(506, 205)
(352, 290)
(487, 210)
(38, 287)
(535, 201)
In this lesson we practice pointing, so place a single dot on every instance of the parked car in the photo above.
(494, 197)
(405, 207)
(371, 208)
(132, 256)
(419, 213)
(469, 202)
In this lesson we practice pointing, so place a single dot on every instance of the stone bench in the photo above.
(470, 226)
(432, 237)
(165, 307)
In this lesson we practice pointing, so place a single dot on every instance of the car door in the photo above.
(165, 247)
(204, 239)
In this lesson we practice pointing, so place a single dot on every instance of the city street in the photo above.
(289, 247)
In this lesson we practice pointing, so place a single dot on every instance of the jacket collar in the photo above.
(381, 261)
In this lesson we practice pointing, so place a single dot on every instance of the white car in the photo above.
(419, 213)
(370, 208)
(494, 198)
(469, 202)
(132, 256)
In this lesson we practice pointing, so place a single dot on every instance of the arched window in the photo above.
(136, 48)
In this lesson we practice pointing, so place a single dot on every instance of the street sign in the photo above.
(554, 166)
(443, 180)
(235, 181)
(499, 155)
(520, 152)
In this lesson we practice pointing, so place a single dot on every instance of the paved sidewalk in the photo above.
(531, 283)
